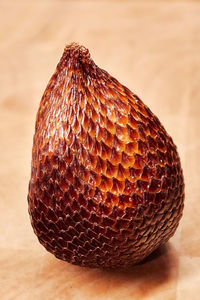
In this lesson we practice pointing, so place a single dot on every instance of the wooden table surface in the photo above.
(153, 47)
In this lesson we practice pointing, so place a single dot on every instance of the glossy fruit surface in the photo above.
(106, 185)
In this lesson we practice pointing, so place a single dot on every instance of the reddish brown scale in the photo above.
(106, 184)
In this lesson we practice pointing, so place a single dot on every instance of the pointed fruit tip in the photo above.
(77, 51)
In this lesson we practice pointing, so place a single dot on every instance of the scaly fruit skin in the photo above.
(106, 185)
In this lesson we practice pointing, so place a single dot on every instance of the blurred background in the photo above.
(152, 47)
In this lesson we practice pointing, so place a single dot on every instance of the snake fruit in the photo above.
(106, 186)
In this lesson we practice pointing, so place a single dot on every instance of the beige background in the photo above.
(153, 47)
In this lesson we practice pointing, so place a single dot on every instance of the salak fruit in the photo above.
(106, 185)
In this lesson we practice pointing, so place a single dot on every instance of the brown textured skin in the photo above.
(106, 185)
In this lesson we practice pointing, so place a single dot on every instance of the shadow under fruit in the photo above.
(106, 185)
